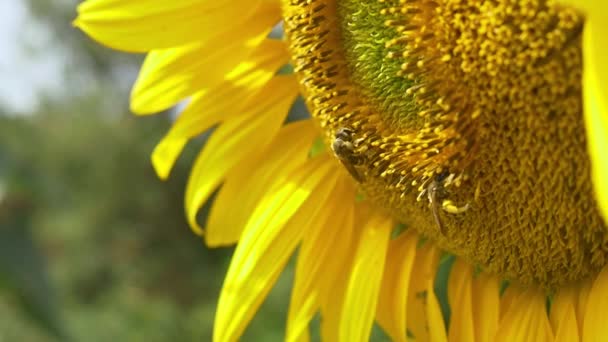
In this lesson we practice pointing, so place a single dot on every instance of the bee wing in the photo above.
(352, 170)
(437, 218)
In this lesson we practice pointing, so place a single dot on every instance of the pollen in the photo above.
(478, 102)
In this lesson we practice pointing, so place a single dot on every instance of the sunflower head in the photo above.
(464, 120)
(461, 119)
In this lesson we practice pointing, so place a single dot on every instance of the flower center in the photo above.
(464, 120)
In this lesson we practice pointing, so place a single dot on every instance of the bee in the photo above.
(436, 192)
(345, 148)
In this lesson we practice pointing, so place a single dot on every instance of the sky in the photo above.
(24, 74)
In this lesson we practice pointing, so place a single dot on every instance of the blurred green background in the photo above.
(93, 247)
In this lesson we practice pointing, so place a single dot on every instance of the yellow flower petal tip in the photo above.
(165, 154)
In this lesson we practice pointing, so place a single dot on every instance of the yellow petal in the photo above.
(321, 255)
(506, 300)
(594, 327)
(212, 106)
(145, 25)
(595, 91)
(584, 289)
(270, 237)
(595, 88)
(238, 139)
(392, 304)
(567, 329)
(334, 294)
(331, 308)
(245, 186)
(425, 268)
(434, 316)
(190, 123)
(363, 284)
(461, 302)
(170, 75)
(526, 319)
(564, 300)
(486, 307)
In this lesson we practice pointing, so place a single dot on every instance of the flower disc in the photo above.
(463, 119)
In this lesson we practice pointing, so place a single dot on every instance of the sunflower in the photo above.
(479, 126)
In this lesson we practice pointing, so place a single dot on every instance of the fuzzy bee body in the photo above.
(435, 191)
(345, 149)
(436, 194)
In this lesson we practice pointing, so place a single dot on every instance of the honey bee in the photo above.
(345, 149)
(436, 192)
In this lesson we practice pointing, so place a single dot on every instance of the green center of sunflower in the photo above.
(464, 120)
